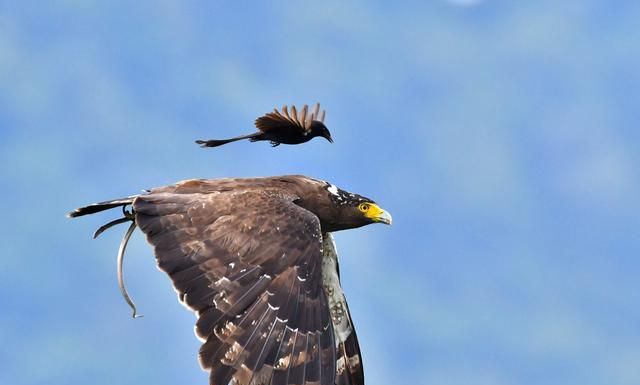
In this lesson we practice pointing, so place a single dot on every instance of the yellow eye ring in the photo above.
(364, 207)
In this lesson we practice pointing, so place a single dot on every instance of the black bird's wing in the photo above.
(249, 263)
(290, 122)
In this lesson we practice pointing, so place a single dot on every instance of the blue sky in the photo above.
(502, 136)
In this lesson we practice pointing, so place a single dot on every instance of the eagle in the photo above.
(283, 127)
(255, 259)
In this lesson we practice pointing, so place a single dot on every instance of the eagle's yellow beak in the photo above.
(376, 214)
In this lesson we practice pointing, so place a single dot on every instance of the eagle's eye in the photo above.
(363, 207)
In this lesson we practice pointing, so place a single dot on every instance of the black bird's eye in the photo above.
(363, 207)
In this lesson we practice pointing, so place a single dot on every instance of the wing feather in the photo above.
(249, 264)
(294, 115)
(302, 118)
(314, 113)
(288, 121)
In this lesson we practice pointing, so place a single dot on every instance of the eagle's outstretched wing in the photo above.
(290, 121)
(249, 263)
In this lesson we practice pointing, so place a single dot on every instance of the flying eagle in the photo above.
(256, 261)
(283, 127)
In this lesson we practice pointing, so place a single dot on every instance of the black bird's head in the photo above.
(319, 129)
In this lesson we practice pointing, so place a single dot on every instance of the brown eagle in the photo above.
(283, 127)
(255, 259)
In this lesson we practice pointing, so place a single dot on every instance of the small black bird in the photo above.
(283, 127)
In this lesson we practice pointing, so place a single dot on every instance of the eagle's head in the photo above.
(348, 210)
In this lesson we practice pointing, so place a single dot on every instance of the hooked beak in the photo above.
(328, 137)
(376, 214)
(384, 217)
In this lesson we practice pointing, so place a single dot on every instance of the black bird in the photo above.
(283, 127)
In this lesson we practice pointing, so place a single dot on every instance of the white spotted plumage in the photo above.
(333, 189)
(335, 296)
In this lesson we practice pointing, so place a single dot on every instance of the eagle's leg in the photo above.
(274, 143)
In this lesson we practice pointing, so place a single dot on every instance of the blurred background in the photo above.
(502, 136)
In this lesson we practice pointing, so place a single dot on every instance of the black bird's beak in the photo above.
(327, 136)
